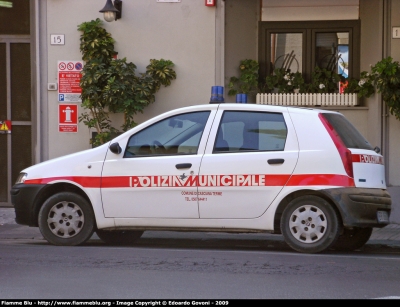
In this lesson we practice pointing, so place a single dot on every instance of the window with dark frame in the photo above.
(300, 46)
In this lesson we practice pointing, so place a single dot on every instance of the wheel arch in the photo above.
(52, 189)
(285, 201)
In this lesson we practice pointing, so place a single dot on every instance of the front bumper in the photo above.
(23, 199)
(362, 207)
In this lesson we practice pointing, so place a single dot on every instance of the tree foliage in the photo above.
(383, 78)
(247, 82)
(112, 85)
(386, 75)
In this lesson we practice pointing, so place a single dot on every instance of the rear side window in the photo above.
(250, 131)
(347, 132)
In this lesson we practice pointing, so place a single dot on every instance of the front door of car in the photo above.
(155, 174)
(245, 168)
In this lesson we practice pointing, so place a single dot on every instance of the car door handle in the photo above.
(276, 161)
(183, 165)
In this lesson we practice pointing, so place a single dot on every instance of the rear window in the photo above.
(347, 132)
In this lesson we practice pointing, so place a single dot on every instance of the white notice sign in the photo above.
(57, 39)
(396, 32)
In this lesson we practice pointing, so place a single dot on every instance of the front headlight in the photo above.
(21, 178)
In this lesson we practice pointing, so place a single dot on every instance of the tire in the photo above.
(66, 219)
(310, 224)
(352, 239)
(119, 237)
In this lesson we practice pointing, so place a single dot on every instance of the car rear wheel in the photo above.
(352, 239)
(119, 237)
(66, 219)
(310, 224)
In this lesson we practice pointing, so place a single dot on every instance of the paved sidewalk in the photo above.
(388, 236)
(7, 216)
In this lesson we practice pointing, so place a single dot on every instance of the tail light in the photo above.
(344, 152)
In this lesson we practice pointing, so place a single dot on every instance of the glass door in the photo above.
(15, 111)
(15, 93)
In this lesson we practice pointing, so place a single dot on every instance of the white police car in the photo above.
(305, 173)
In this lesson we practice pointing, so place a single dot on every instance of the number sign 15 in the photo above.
(396, 32)
(57, 39)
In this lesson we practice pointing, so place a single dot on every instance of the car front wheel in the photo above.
(310, 224)
(66, 219)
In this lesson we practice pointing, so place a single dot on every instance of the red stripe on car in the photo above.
(87, 182)
(203, 181)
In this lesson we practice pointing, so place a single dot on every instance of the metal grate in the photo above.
(3, 82)
(20, 82)
(15, 20)
(21, 150)
(3, 168)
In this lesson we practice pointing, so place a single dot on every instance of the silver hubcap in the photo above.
(308, 224)
(65, 219)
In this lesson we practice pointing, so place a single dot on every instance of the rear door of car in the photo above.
(249, 157)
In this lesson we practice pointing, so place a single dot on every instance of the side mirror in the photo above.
(377, 149)
(115, 148)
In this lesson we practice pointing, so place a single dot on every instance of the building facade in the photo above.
(205, 42)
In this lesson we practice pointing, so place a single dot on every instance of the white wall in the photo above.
(371, 52)
(241, 37)
(181, 32)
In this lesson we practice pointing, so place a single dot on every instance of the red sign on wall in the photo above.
(67, 118)
(69, 77)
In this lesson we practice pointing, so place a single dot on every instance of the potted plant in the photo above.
(322, 90)
(364, 87)
(285, 81)
(384, 78)
(324, 81)
(246, 83)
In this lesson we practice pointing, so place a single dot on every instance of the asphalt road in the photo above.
(162, 268)
(194, 265)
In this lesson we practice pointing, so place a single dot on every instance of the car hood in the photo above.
(87, 163)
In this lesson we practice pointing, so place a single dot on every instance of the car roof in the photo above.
(253, 107)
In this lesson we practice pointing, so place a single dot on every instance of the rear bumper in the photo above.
(360, 207)
(23, 199)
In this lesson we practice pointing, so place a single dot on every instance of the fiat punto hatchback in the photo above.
(307, 174)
